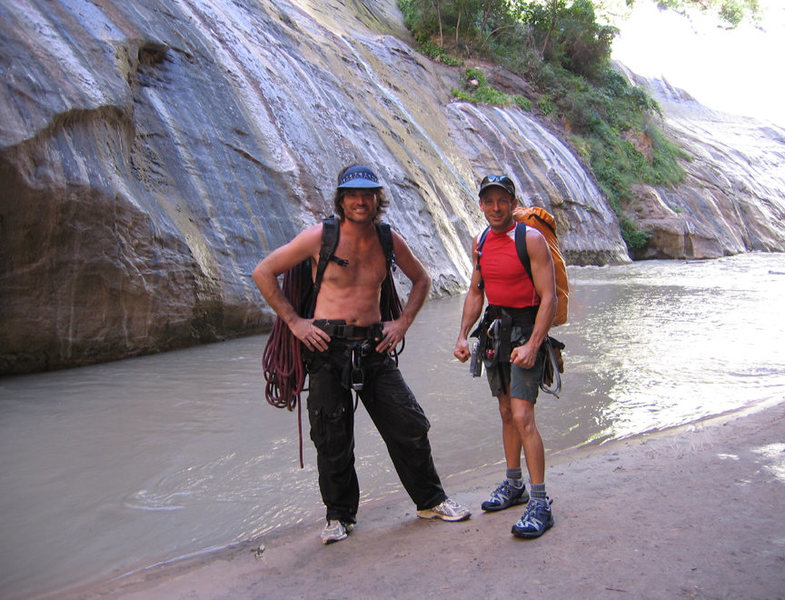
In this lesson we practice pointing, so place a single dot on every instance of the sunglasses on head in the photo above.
(495, 179)
(498, 180)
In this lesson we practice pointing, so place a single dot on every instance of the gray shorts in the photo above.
(521, 383)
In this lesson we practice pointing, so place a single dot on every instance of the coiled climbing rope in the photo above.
(282, 364)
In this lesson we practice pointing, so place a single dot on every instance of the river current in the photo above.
(112, 468)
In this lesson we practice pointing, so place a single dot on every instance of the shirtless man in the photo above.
(346, 343)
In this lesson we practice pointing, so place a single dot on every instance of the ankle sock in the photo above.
(538, 491)
(515, 477)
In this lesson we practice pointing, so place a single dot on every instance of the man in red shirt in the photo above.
(519, 314)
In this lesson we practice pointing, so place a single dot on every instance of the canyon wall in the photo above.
(152, 152)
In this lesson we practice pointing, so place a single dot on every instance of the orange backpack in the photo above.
(543, 221)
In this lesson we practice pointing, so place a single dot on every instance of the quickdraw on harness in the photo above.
(282, 361)
(494, 333)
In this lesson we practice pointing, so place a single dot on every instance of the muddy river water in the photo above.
(116, 467)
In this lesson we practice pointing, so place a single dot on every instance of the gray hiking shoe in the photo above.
(447, 510)
(505, 496)
(335, 531)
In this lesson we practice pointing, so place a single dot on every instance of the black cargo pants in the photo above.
(394, 411)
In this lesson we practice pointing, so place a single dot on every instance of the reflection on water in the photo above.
(708, 342)
(115, 467)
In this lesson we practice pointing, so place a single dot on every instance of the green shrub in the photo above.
(545, 105)
(477, 90)
(433, 50)
(632, 235)
(523, 102)
(474, 73)
(451, 61)
(463, 96)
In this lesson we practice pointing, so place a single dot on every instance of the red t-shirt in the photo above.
(506, 281)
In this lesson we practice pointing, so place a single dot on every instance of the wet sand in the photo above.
(692, 512)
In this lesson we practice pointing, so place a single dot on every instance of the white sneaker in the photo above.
(447, 510)
(335, 531)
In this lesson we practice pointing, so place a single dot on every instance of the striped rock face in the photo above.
(151, 154)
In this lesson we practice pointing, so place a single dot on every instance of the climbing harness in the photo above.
(494, 344)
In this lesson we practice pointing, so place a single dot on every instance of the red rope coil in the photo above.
(282, 364)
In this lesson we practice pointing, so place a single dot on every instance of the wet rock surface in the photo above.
(151, 153)
(731, 200)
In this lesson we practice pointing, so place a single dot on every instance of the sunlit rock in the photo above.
(733, 197)
(151, 153)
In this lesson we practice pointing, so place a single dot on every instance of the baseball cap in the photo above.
(358, 176)
(501, 181)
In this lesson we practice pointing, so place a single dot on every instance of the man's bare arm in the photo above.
(394, 331)
(265, 275)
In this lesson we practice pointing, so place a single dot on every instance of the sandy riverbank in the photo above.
(693, 512)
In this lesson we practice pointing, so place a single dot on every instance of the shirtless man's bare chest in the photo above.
(351, 291)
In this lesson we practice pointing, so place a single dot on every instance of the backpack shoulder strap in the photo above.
(385, 237)
(478, 249)
(520, 246)
(389, 302)
(480, 244)
(331, 232)
(481, 241)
